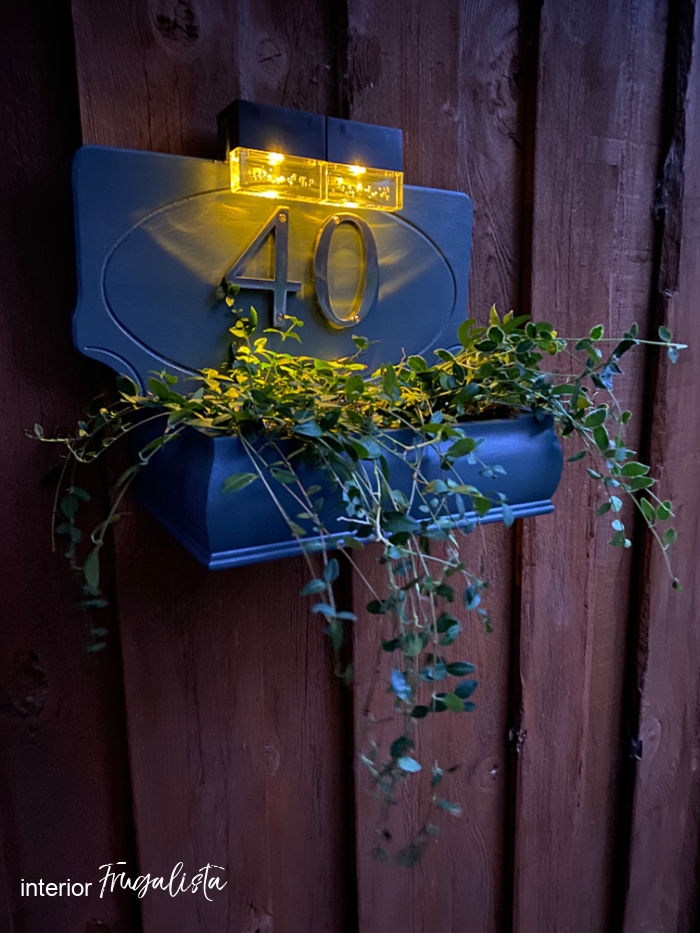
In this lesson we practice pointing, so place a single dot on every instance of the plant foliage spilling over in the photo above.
(292, 411)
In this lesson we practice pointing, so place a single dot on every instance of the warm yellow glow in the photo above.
(376, 188)
(274, 175)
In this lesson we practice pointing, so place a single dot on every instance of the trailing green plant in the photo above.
(290, 411)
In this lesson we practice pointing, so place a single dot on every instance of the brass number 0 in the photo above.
(370, 285)
(278, 227)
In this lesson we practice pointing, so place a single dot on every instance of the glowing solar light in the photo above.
(272, 174)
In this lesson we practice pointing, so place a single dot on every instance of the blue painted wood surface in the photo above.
(182, 488)
(156, 233)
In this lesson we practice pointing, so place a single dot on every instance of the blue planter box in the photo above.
(182, 485)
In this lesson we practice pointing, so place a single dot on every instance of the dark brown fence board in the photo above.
(596, 149)
(63, 780)
(238, 737)
(447, 79)
(662, 891)
(235, 722)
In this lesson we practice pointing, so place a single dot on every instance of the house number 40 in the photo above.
(280, 286)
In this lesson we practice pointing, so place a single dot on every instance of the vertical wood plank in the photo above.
(662, 892)
(445, 74)
(63, 777)
(598, 119)
(235, 722)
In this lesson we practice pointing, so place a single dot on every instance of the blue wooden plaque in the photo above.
(156, 234)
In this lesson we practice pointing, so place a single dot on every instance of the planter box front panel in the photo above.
(182, 488)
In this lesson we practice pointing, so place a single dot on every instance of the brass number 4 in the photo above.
(278, 227)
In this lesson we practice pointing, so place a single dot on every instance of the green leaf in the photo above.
(466, 688)
(354, 385)
(579, 456)
(670, 536)
(460, 668)
(69, 505)
(97, 646)
(648, 510)
(665, 334)
(417, 364)
(410, 855)
(324, 608)
(464, 333)
(408, 764)
(312, 587)
(158, 388)
(420, 712)
(462, 447)
(334, 630)
(595, 418)
(600, 436)
(632, 468)
(664, 512)
(471, 597)
(394, 522)
(619, 540)
(95, 602)
(635, 483)
(126, 386)
(238, 481)
(331, 570)
(451, 634)
(453, 703)
(91, 568)
(400, 746)
(448, 806)
(308, 429)
(411, 644)
(596, 332)
(400, 686)
(282, 475)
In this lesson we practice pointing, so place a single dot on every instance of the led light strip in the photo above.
(274, 175)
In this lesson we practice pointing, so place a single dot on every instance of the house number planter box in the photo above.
(182, 486)
(156, 233)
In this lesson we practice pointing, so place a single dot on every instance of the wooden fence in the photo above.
(575, 128)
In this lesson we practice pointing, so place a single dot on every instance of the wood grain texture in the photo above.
(63, 775)
(662, 889)
(236, 726)
(598, 119)
(158, 73)
(445, 75)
